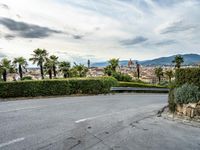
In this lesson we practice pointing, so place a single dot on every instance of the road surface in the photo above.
(105, 122)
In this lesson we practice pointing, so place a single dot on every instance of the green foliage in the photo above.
(108, 71)
(169, 74)
(113, 63)
(64, 67)
(171, 102)
(81, 70)
(57, 87)
(22, 64)
(27, 78)
(121, 77)
(164, 83)
(39, 57)
(178, 60)
(188, 75)
(187, 93)
(136, 84)
(159, 73)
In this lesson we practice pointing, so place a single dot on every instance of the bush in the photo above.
(187, 75)
(135, 84)
(121, 77)
(171, 102)
(187, 93)
(27, 78)
(57, 87)
(164, 83)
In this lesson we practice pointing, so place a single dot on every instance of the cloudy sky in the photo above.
(77, 30)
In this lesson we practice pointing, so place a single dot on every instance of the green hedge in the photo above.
(187, 75)
(135, 84)
(183, 76)
(57, 87)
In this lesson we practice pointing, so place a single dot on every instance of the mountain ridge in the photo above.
(188, 60)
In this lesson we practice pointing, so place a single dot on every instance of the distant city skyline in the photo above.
(78, 30)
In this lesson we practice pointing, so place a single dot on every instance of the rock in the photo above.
(179, 108)
(191, 110)
(188, 112)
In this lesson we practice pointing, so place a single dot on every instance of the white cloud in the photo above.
(98, 28)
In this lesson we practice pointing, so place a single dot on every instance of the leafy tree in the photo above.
(64, 67)
(108, 70)
(5, 67)
(49, 64)
(81, 70)
(178, 60)
(55, 62)
(113, 63)
(159, 73)
(22, 63)
(39, 57)
(169, 74)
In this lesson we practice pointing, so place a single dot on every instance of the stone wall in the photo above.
(191, 110)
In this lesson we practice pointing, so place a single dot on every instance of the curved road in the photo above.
(120, 121)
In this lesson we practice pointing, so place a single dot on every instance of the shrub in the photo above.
(187, 75)
(171, 102)
(121, 76)
(135, 84)
(27, 78)
(164, 83)
(57, 87)
(187, 93)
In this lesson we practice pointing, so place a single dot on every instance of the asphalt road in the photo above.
(105, 122)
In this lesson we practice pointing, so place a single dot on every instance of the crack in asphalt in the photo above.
(100, 140)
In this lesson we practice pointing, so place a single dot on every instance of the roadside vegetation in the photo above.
(142, 85)
(54, 87)
(186, 87)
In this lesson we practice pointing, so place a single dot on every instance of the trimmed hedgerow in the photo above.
(135, 84)
(186, 87)
(57, 87)
(187, 75)
(121, 76)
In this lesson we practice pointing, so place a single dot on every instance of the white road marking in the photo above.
(110, 114)
(99, 116)
(11, 142)
(22, 109)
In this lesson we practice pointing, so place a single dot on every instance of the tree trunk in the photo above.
(4, 75)
(54, 71)
(159, 79)
(138, 73)
(42, 71)
(20, 72)
(170, 79)
(50, 74)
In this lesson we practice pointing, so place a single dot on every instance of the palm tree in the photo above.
(49, 67)
(169, 74)
(81, 70)
(114, 63)
(178, 60)
(108, 71)
(64, 67)
(159, 73)
(39, 57)
(5, 67)
(22, 63)
(55, 62)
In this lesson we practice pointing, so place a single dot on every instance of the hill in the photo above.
(188, 59)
